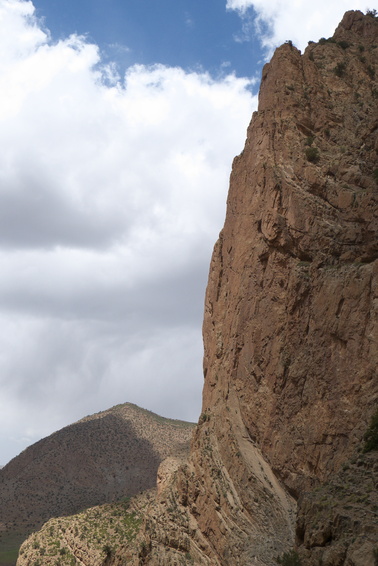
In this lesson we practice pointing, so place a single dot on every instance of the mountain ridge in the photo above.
(98, 459)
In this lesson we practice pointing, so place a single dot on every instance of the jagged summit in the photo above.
(356, 26)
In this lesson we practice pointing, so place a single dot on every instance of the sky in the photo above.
(119, 120)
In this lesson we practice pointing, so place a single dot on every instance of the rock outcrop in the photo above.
(290, 330)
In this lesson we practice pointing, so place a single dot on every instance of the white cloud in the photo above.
(277, 21)
(112, 193)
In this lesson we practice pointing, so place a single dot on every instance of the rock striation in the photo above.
(290, 332)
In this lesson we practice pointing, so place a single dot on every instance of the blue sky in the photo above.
(192, 34)
(119, 121)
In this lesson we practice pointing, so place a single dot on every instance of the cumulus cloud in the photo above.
(276, 21)
(112, 192)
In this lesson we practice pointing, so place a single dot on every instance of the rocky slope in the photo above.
(290, 332)
(88, 538)
(101, 458)
(337, 523)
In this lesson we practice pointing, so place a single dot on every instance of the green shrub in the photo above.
(371, 435)
(371, 71)
(290, 558)
(107, 549)
(340, 69)
(323, 40)
(373, 13)
(343, 44)
(312, 154)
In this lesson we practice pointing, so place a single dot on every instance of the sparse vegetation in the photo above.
(371, 71)
(312, 154)
(107, 549)
(102, 530)
(371, 435)
(373, 13)
(340, 69)
(115, 440)
(323, 40)
(290, 558)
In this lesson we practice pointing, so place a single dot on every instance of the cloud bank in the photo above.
(297, 20)
(112, 192)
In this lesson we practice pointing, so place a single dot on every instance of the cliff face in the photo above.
(290, 327)
(290, 330)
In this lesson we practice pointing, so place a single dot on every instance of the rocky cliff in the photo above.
(290, 332)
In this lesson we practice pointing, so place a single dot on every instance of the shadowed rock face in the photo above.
(290, 328)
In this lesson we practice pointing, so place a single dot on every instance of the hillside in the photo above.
(290, 334)
(99, 459)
